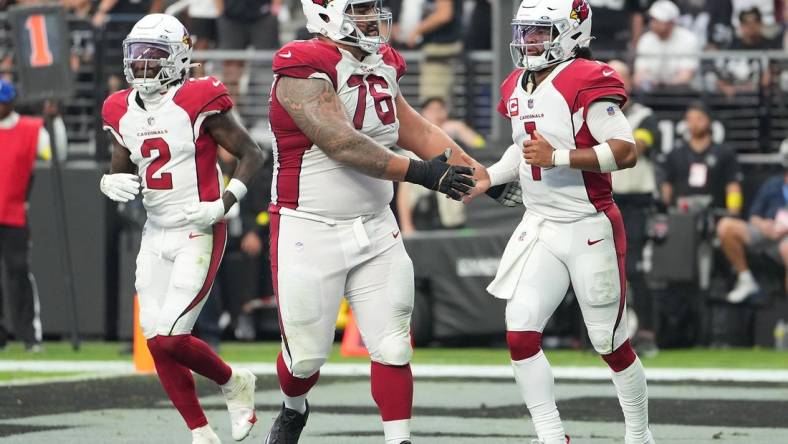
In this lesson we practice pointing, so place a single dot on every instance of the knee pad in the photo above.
(307, 367)
(523, 344)
(169, 344)
(622, 358)
(394, 350)
(601, 340)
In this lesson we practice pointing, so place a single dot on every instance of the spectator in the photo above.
(746, 75)
(709, 20)
(765, 7)
(106, 8)
(701, 167)
(720, 32)
(255, 245)
(435, 110)
(82, 38)
(617, 24)
(766, 231)
(245, 23)
(478, 34)
(634, 190)
(667, 53)
(440, 33)
(203, 15)
(22, 139)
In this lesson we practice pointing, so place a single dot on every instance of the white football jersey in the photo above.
(305, 178)
(557, 109)
(175, 157)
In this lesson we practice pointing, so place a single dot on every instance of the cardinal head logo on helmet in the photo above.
(580, 10)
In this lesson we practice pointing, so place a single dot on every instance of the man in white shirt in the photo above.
(667, 53)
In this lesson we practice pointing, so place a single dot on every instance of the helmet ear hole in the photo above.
(325, 18)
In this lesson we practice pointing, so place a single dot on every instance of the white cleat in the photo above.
(239, 395)
(205, 435)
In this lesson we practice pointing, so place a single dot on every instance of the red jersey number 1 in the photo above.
(530, 128)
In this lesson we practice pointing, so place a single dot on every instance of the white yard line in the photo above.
(114, 368)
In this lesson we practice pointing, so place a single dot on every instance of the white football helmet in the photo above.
(547, 32)
(338, 20)
(157, 42)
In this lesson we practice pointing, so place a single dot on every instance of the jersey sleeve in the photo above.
(586, 81)
(216, 98)
(508, 86)
(603, 82)
(203, 97)
(393, 58)
(308, 59)
(115, 106)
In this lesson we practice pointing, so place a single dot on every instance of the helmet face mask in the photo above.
(156, 54)
(361, 23)
(543, 36)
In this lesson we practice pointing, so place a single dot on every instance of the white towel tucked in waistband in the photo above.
(514, 256)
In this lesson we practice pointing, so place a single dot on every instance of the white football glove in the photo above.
(204, 214)
(120, 187)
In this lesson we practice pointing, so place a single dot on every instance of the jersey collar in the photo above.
(369, 62)
(557, 70)
(158, 101)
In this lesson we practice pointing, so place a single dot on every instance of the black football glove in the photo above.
(508, 194)
(435, 174)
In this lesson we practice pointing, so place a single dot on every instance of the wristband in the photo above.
(237, 188)
(417, 172)
(560, 158)
(605, 157)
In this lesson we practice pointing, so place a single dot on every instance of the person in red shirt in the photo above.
(22, 139)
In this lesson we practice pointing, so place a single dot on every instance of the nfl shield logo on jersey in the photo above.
(611, 111)
(151, 121)
(530, 103)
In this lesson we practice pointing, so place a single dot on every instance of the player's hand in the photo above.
(120, 187)
(480, 175)
(251, 244)
(454, 181)
(538, 151)
(204, 214)
(413, 39)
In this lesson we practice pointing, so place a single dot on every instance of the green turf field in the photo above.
(16, 376)
(266, 352)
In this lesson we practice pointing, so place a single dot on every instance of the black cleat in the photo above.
(287, 427)
(405, 442)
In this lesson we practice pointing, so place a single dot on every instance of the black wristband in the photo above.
(417, 172)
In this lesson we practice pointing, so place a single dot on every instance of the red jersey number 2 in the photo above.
(164, 181)
(530, 128)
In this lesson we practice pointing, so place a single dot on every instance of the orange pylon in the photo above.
(143, 361)
(352, 345)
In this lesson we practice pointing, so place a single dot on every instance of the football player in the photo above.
(336, 109)
(569, 133)
(166, 129)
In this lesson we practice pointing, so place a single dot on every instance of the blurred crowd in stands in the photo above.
(684, 110)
